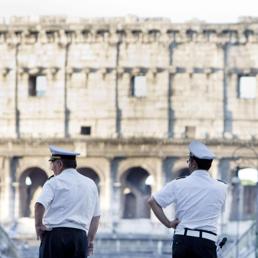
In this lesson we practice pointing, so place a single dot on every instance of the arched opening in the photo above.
(30, 184)
(136, 189)
(92, 174)
(244, 193)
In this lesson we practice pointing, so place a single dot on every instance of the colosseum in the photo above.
(129, 94)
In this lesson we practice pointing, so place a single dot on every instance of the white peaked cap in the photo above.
(59, 152)
(200, 150)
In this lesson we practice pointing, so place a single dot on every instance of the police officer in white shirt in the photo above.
(199, 200)
(67, 212)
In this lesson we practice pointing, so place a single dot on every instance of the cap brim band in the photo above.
(55, 157)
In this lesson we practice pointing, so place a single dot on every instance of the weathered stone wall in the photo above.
(191, 70)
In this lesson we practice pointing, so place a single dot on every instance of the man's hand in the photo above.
(40, 230)
(90, 248)
(174, 223)
(91, 233)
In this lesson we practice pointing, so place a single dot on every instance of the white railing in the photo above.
(7, 248)
(244, 247)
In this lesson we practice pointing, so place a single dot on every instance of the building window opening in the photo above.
(190, 132)
(37, 85)
(85, 130)
(136, 189)
(247, 87)
(138, 86)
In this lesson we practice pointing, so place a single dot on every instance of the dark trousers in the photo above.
(193, 247)
(64, 243)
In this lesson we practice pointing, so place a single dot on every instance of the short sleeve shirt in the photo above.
(70, 200)
(198, 198)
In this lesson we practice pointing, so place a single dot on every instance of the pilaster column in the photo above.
(16, 187)
(8, 192)
(224, 173)
(116, 209)
(115, 202)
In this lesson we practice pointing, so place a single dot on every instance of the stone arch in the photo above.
(30, 183)
(135, 193)
(100, 166)
(29, 162)
(143, 163)
(91, 173)
(245, 156)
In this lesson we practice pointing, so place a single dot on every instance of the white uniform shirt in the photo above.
(199, 200)
(70, 200)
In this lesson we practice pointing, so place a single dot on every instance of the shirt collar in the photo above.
(68, 170)
(200, 172)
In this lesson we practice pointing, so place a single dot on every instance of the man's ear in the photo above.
(60, 163)
(195, 165)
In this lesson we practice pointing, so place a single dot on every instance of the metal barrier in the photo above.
(7, 248)
(244, 247)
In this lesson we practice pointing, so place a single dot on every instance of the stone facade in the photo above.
(129, 95)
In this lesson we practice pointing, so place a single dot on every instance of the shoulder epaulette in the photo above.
(180, 177)
(50, 177)
(222, 181)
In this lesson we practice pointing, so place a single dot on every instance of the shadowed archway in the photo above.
(135, 192)
(30, 184)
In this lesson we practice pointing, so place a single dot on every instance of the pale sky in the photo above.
(178, 11)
